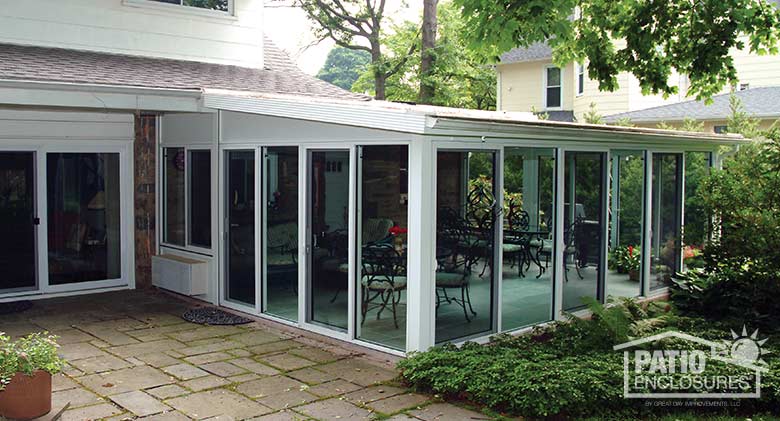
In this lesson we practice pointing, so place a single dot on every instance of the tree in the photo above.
(429, 27)
(343, 66)
(347, 22)
(459, 75)
(649, 38)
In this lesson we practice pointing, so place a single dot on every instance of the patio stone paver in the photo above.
(213, 403)
(254, 366)
(76, 397)
(398, 403)
(203, 383)
(334, 409)
(167, 391)
(126, 380)
(93, 412)
(222, 369)
(333, 388)
(446, 412)
(185, 371)
(140, 403)
(131, 356)
(269, 386)
(287, 361)
(100, 364)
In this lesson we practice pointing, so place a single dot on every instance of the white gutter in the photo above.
(95, 96)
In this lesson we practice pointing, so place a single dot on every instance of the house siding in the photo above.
(139, 28)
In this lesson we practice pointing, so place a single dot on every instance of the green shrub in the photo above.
(37, 351)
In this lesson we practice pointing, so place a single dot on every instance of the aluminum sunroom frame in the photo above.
(425, 130)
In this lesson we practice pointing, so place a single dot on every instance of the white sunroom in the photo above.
(400, 227)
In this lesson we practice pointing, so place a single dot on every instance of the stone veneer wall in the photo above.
(144, 151)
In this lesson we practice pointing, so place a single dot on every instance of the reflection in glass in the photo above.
(529, 187)
(583, 219)
(174, 174)
(200, 198)
(281, 232)
(697, 221)
(627, 169)
(17, 210)
(240, 210)
(83, 203)
(665, 252)
(465, 238)
(329, 227)
(383, 236)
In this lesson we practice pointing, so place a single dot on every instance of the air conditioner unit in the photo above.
(180, 274)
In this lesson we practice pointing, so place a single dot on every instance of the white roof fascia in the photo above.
(358, 114)
(102, 97)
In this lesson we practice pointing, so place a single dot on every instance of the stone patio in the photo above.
(130, 356)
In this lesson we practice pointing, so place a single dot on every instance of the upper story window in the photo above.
(580, 78)
(744, 86)
(553, 87)
(220, 5)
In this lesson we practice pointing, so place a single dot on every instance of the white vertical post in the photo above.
(498, 255)
(648, 224)
(558, 266)
(353, 241)
(421, 269)
(601, 292)
(304, 235)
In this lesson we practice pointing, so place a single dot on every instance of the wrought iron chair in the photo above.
(383, 278)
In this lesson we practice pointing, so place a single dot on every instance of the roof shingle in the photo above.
(535, 51)
(279, 75)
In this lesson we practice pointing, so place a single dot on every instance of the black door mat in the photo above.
(213, 316)
(15, 307)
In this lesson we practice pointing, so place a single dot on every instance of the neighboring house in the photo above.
(761, 103)
(529, 81)
(146, 142)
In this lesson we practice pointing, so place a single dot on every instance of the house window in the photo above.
(580, 78)
(720, 129)
(552, 89)
(220, 5)
(744, 86)
(187, 197)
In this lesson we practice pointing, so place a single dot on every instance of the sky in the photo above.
(290, 30)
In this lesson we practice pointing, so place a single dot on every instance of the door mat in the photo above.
(213, 316)
(15, 307)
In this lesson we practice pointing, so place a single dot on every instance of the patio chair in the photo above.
(282, 252)
(383, 279)
(456, 270)
(516, 246)
(570, 240)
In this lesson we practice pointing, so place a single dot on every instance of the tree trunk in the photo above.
(380, 77)
(427, 87)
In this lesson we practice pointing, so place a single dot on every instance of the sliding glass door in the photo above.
(626, 213)
(240, 226)
(18, 216)
(665, 233)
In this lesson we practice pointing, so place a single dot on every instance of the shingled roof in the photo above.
(279, 75)
(536, 51)
(758, 102)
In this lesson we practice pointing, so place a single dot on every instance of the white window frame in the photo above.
(181, 8)
(580, 79)
(545, 86)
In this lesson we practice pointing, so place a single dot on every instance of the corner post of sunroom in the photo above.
(421, 306)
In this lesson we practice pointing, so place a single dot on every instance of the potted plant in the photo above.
(626, 259)
(26, 367)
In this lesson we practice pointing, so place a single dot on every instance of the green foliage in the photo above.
(37, 351)
(460, 78)
(625, 259)
(592, 116)
(688, 125)
(343, 66)
(740, 121)
(623, 122)
(208, 4)
(657, 37)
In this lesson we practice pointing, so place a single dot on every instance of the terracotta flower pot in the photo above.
(633, 275)
(26, 397)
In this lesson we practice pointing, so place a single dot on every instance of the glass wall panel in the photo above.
(696, 222)
(665, 252)
(174, 174)
(281, 232)
(240, 212)
(83, 203)
(529, 189)
(465, 238)
(17, 210)
(583, 225)
(329, 226)
(627, 174)
(383, 240)
(200, 198)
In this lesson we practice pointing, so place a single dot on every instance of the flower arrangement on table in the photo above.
(398, 234)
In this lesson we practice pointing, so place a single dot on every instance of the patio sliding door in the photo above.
(626, 215)
(666, 214)
(240, 226)
(328, 233)
(18, 222)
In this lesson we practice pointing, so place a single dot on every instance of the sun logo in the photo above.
(746, 349)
